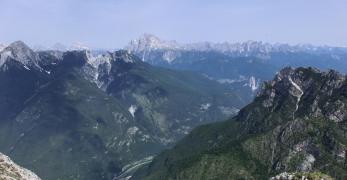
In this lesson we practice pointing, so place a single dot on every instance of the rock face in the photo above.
(11, 171)
(72, 115)
(297, 123)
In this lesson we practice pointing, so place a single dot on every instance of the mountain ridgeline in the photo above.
(72, 115)
(297, 123)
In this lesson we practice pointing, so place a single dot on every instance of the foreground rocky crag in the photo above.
(11, 171)
(297, 123)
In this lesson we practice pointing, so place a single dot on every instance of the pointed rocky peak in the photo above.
(149, 42)
(20, 52)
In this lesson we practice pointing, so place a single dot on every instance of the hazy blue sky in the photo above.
(112, 23)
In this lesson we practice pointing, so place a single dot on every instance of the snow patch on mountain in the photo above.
(132, 109)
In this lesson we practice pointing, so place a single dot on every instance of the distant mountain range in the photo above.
(69, 115)
(294, 127)
(241, 65)
(147, 43)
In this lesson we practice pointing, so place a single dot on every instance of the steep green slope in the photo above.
(297, 123)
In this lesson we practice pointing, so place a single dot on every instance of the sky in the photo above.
(113, 23)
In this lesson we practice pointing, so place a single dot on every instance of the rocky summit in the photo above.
(297, 123)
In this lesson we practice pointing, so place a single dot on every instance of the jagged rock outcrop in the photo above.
(11, 171)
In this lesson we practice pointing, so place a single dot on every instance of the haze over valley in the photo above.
(173, 90)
